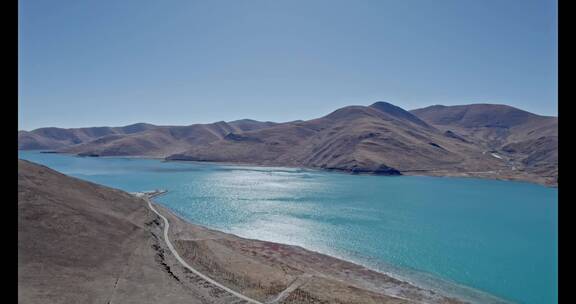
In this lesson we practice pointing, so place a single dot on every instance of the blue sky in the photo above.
(178, 62)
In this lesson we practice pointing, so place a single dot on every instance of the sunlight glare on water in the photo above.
(493, 236)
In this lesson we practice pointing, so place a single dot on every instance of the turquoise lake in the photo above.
(497, 238)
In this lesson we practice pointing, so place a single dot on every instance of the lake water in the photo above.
(496, 237)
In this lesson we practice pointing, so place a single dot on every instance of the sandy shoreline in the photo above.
(270, 263)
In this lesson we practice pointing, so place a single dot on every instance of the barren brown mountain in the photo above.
(133, 140)
(381, 138)
(527, 142)
(56, 138)
(492, 141)
(79, 242)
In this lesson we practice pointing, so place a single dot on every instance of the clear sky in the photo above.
(178, 62)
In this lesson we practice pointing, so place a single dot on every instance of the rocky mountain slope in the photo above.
(484, 140)
(381, 138)
(526, 141)
(56, 138)
(83, 243)
(133, 140)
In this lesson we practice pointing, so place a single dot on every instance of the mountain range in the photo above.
(480, 140)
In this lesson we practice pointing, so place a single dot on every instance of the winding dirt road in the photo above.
(148, 197)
